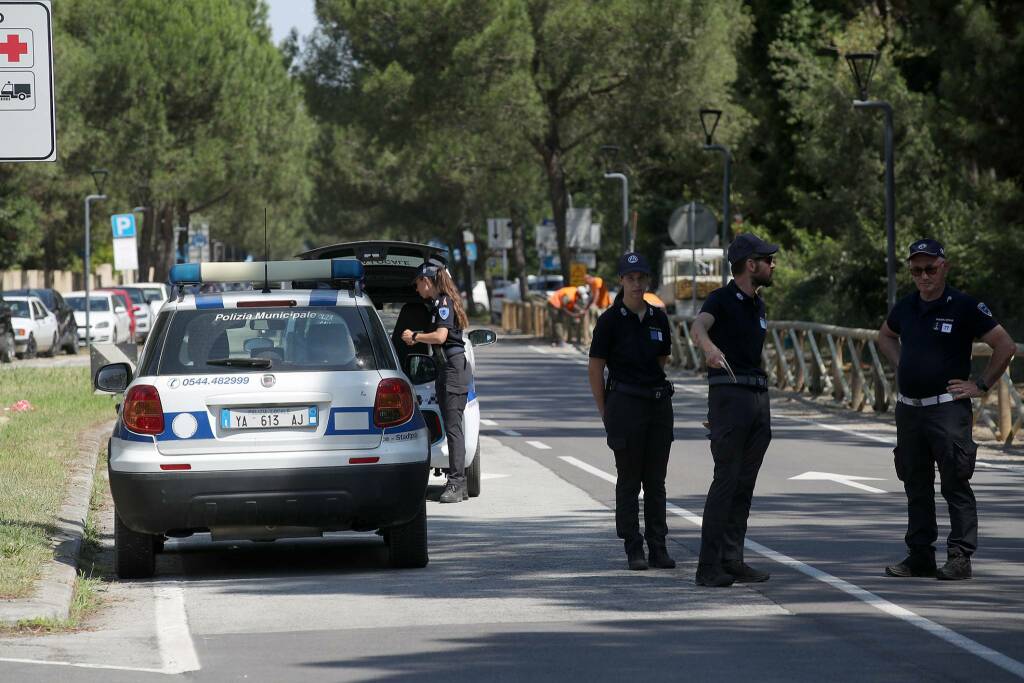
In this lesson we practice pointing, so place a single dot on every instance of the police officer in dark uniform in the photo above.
(633, 340)
(448, 322)
(730, 330)
(928, 337)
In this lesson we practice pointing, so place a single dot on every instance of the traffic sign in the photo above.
(499, 233)
(27, 113)
(693, 225)
(577, 274)
(123, 225)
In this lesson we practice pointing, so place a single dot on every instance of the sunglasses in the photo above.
(918, 272)
(766, 259)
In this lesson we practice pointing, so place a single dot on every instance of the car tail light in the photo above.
(433, 424)
(21, 332)
(394, 403)
(142, 411)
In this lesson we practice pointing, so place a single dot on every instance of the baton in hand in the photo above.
(725, 364)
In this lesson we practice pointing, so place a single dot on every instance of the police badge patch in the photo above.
(443, 312)
(984, 309)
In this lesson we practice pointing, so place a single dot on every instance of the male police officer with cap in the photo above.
(928, 337)
(632, 339)
(730, 330)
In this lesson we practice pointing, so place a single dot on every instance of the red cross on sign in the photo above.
(13, 48)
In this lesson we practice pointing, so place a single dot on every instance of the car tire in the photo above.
(134, 552)
(52, 351)
(8, 353)
(407, 543)
(72, 347)
(473, 473)
(30, 349)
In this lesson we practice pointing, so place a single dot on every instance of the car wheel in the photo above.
(52, 351)
(8, 352)
(473, 473)
(407, 543)
(30, 348)
(72, 348)
(134, 552)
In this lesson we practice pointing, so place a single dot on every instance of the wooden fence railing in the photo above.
(846, 364)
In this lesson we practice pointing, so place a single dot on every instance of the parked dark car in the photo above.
(6, 333)
(67, 328)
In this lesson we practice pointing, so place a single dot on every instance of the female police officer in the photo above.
(448, 319)
(632, 339)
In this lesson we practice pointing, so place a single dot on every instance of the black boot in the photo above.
(915, 564)
(452, 492)
(713, 576)
(743, 572)
(659, 557)
(635, 554)
(957, 568)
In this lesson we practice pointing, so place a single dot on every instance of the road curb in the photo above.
(55, 588)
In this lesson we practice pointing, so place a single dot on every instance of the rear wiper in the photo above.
(242, 362)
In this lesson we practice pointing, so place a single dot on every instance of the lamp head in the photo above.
(862, 65)
(709, 122)
(99, 176)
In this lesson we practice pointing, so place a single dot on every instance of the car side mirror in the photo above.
(420, 368)
(482, 337)
(113, 378)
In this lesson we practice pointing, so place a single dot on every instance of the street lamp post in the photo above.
(863, 64)
(608, 152)
(142, 210)
(99, 176)
(709, 122)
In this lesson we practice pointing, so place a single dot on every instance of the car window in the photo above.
(298, 339)
(136, 295)
(151, 295)
(37, 310)
(96, 303)
(19, 309)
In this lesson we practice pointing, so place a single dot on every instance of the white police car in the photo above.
(389, 270)
(267, 414)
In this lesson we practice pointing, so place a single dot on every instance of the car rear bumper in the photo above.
(361, 498)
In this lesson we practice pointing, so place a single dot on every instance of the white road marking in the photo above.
(488, 423)
(177, 651)
(539, 445)
(111, 667)
(881, 604)
(491, 475)
(540, 349)
(509, 432)
(844, 479)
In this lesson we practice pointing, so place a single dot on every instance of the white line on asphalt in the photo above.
(109, 667)
(177, 651)
(539, 349)
(488, 423)
(844, 479)
(539, 445)
(881, 604)
(509, 432)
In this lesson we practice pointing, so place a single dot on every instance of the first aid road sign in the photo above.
(28, 130)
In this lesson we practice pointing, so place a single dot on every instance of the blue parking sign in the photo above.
(123, 225)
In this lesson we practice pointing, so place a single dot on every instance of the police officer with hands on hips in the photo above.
(928, 336)
(730, 330)
(632, 340)
(448, 319)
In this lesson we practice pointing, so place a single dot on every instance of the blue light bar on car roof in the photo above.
(257, 271)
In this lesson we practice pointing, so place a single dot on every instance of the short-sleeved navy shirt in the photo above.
(442, 314)
(739, 329)
(632, 346)
(935, 339)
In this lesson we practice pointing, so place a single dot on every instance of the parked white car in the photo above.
(156, 295)
(35, 327)
(545, 285)
(108, 319)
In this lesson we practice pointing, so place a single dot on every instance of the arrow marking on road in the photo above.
(845, 479)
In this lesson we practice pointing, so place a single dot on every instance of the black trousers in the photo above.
(452, 389)
(640, 434)
(741, 430)
(926, 437)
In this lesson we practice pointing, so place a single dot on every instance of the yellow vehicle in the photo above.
(678, 267)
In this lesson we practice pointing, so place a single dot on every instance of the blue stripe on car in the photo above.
(203, 430)
(371, 428)
(209, 301)
(323, 297)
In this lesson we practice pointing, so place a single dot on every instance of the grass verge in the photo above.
(37, 449)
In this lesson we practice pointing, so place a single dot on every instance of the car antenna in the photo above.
(266, 250)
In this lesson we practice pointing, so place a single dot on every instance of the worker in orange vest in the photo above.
(565, 308)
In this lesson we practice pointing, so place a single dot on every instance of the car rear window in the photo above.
(96, 303)
(300, 339)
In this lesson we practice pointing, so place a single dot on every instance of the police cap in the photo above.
(926, 246)
(749, 245)
(632, 262)
(425, 270)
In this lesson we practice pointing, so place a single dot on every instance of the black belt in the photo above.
(641, 391)
(756, 381)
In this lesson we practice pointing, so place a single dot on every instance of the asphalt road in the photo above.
(528, 582)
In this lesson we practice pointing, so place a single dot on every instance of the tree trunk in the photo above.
(519, 219)
(559, 203)
(467, 275)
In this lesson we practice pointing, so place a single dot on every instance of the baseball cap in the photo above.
(632, 262)
(747, 245)
(426, 269)
(926, 246)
